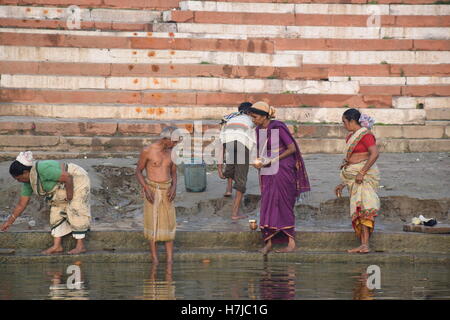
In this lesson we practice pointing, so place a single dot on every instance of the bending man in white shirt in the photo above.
(238, 139)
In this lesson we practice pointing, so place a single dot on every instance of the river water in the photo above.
(233, 280)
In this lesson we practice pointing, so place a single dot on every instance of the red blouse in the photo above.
(363, 145)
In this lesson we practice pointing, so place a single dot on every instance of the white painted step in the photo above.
(314, 115)
(419, 102)
(227, 31)
(284, 59)
(309, 32)
(313, 8)
(179, 83)
(84, 14)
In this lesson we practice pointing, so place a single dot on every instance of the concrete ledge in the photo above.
(438, 229)
(186, 240)
(223, 255)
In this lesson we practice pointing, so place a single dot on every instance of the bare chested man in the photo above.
(159, 187)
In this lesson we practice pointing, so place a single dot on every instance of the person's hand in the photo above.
(338, 190)
(267, 163)
(6, 225)
(344, 164)
(149, 195)
(359, 178)
(258, 164)
(172, 193)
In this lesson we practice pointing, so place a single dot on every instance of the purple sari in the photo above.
(280, 190)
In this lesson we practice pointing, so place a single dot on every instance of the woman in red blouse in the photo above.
(360, 175)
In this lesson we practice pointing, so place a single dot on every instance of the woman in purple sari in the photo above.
(283, 177)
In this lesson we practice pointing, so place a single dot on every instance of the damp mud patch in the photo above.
(117, 203)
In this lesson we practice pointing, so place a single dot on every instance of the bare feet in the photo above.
(238, 217)
(77, 250)
(361, 249)
(364, 249)
(267, 248)
(354, 250)
(287, 249)
(53, 250)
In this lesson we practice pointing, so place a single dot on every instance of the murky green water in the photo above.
(223, 280)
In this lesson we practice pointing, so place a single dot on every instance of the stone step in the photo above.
(224, 31)
(97, 127)
(305, 72)
(331, 85)
(77, 18)
(211, 41)
(320, 7)
(83, 14)
(116, 146)
(304, 114)
(130, 4)
(375, 97)
(438, 229)
(272, 86)
(437, 123)
(439, 114)
(85, 25)
(265, 15)
(167, 4)
(305, 19)
(321, 241)
(421, 102)
(149, 40)
(308, 32)
(152, 103)
(354, 2)
(208, 256)
(36, 126)
(286, 58)
(61, 155)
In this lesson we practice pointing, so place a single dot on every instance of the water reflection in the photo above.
(155, 289)
(360, 290)
(60, 288)
(223, 280)
(277, 284)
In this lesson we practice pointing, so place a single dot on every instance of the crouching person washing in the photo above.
(66, 187)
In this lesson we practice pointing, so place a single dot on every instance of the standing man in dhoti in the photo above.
(159, 187)
(66, 187)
